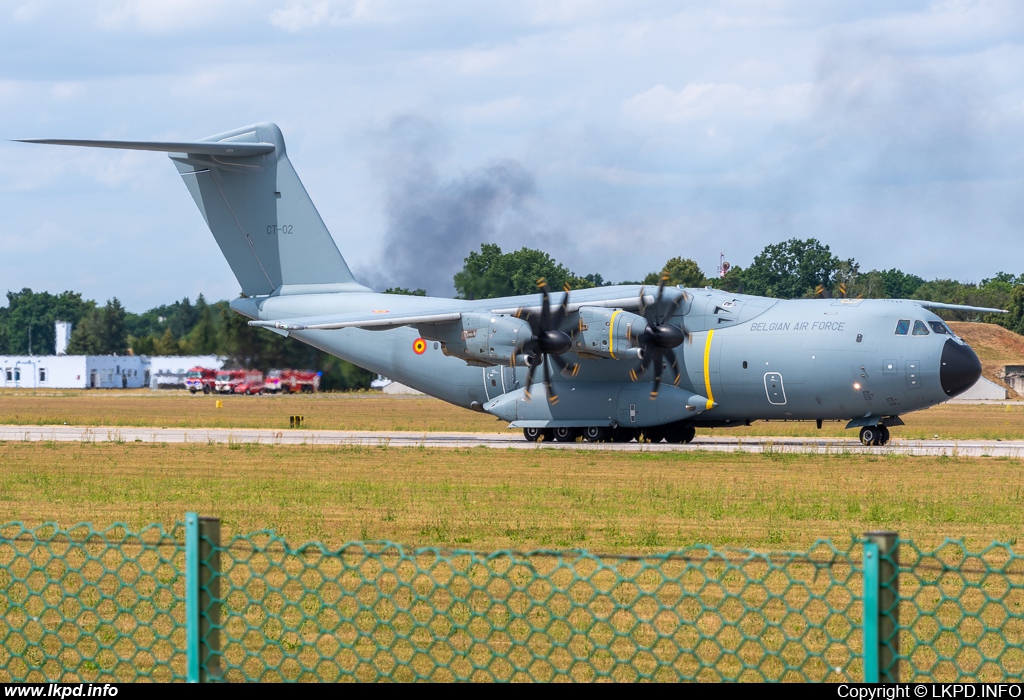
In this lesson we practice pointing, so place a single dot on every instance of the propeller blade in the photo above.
(661, 292)
(658, 363)
(643, 304)
(675, 369)
(638, 371)
(529, 381)
(567, 369)
(552, 396)
(545, 307)
(562, 308)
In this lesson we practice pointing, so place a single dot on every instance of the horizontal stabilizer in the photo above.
(236, 150)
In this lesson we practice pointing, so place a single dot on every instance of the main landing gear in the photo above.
(873, 435)
(678, 433)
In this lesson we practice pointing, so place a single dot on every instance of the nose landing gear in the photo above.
(873, 435)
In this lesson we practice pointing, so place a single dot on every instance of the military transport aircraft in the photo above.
(604, 364)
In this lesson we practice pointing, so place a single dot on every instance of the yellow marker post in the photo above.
(220, 404)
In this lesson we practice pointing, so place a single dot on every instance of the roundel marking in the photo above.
(419, 346)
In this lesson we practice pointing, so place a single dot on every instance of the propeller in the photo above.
(548, 341)
(660, 339)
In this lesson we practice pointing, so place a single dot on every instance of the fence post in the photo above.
(209, 599)
(191, 597)
(202, 598)
(881, 607)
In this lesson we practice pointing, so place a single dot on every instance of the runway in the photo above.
(506, 440)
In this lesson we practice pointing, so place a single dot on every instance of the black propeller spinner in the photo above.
(548, 342)
(660, 339)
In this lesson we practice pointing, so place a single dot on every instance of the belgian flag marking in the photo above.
(419, 346)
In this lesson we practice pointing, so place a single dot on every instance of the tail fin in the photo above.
(257, 209)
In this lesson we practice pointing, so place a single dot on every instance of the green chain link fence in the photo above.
(116, 605)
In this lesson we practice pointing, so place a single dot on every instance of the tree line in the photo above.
(791, 269)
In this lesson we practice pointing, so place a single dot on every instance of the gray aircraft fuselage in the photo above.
(753, 358)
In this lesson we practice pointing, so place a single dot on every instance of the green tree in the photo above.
(27, 321)
(491, 273)
(406, 292)
(1014, 320)
(203, 338)
(792, 269)
(681, 271)
(101, 332)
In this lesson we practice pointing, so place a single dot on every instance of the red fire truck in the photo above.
(201, 379)
(228, 379)
(252, 383)
(292, 381)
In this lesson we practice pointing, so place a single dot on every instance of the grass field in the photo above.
(374, 411)
(486, 499)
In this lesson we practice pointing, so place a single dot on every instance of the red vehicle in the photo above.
(292, 381)
(251, 383)
(228, 379)
(201, 379)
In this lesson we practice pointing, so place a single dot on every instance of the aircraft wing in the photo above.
(955, 307)
(210, 148)
(359, 319)
(383, 320)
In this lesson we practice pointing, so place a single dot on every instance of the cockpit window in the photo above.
(920, 328)
(939, 327)
(903, 326)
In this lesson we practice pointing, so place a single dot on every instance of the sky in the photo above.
(613, 135)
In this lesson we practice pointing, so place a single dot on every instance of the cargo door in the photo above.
(494, 383)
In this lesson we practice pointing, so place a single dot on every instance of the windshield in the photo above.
(223, 376)
(194, 375)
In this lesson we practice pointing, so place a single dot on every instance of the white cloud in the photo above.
(67, 91)
(169, 16)
(719, 101)
(299, 15)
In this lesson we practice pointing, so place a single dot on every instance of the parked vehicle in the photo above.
(201, 379)
(228, 379)
(252, 383)
(292, 381)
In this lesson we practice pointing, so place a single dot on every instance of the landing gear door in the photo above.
(773, 387)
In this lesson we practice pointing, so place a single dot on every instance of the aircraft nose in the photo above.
(960, 368)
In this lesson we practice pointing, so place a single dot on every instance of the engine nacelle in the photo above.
(608, 333)
(481, 339)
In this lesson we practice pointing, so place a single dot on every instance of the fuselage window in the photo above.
(920, 328)
(939, 327)
(903, 326)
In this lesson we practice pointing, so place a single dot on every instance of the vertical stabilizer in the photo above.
(262, 217)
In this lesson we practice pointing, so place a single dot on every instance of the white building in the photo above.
(168, 371)
(72, 372)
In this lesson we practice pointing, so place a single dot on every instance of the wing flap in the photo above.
(356, 320)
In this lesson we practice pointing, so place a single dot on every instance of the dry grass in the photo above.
(487, 499)
(376, 412)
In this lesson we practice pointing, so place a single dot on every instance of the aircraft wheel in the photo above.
(680, 434)
(537, 434)
(596, 433)
(870, 435)
(884, 437)
(566, 434)
(620, 435)
(653, 434)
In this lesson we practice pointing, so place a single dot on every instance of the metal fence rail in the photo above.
(103, 605)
